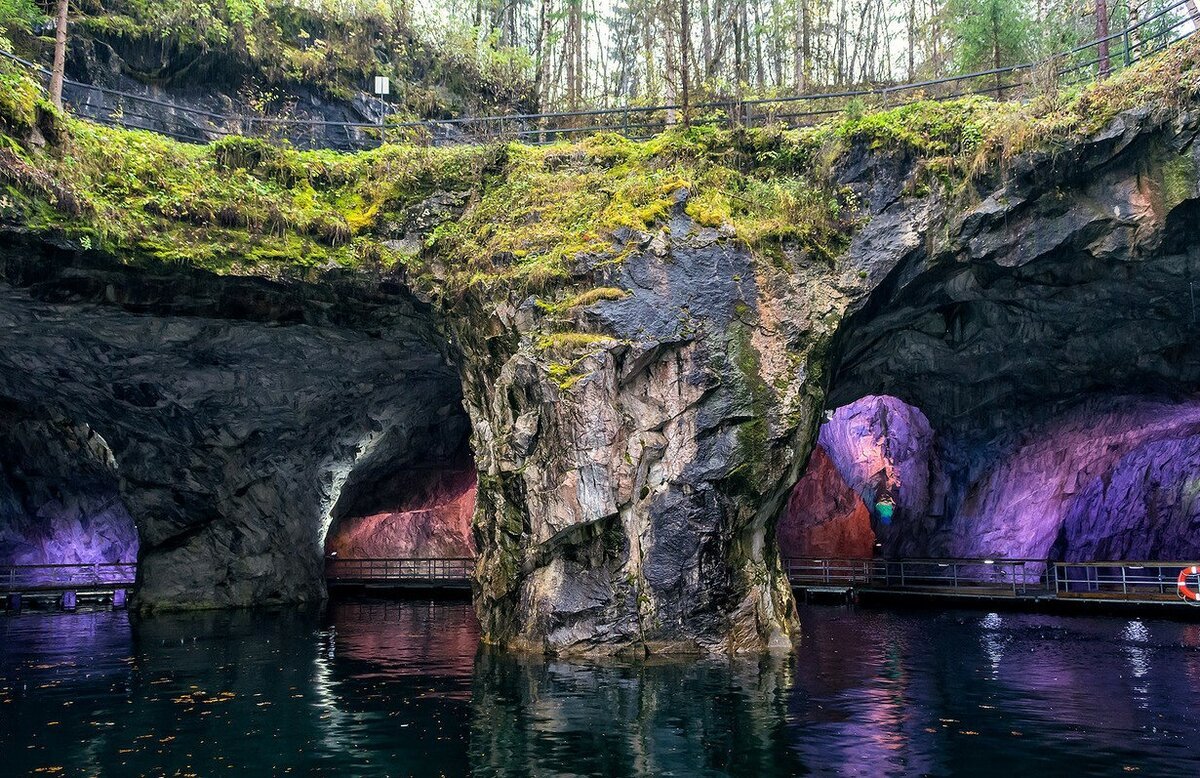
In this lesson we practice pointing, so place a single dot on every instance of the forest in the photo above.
(570, 55)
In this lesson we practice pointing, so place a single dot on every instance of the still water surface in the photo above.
(399, 688)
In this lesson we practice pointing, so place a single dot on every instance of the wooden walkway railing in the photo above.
(65, 584)
(1080, 64)
(1130, 582)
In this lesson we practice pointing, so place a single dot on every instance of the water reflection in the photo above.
(689, 718)
(399, 688)
(994, 695)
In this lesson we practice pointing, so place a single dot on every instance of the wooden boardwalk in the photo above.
(67, 584)
(1029, 581)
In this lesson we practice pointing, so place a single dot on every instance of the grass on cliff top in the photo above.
(243, 206)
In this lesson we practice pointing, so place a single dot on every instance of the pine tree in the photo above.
(990, 34)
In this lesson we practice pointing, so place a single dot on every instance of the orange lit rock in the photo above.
(824, 516)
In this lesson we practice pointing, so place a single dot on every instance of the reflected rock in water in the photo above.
(534, 716)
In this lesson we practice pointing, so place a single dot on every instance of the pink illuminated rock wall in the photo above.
(432, 519)
(824, 516)
(873, 477)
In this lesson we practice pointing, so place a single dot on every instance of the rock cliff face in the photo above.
(631, 472)
(632, 468)
(636, 446)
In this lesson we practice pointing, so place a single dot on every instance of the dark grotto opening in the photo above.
(244, 415)
(60, 502)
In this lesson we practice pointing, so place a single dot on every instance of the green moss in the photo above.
(1179, 178)
(583, 299)
(753, 435)
(570, 342)
(245, 206)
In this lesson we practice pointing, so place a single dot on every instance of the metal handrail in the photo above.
(399, 568)
(84, 575)
(1124, 579)
(553, 125)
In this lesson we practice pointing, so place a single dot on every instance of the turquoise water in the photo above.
(399, 688)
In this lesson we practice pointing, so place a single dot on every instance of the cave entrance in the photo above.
(1045, 399)
(65, 533)
(403, 516)
(868, 487)
(1108, 478)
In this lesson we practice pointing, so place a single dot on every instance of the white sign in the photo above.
(383, 85)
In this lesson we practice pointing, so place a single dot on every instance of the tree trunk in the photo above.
(665, 11)
(1133, 41)
(706, 42)
(542, 60)
(58, 72)
(1102, 36)
(759, 80)
(997, 55)
(912, 40)
(685, 40)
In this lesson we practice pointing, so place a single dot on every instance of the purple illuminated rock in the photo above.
(1146, 508)
(1114, 478)
(884, 449)
(59, 500)
(1109, 478)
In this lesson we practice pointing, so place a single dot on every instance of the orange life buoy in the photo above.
(1181, 582)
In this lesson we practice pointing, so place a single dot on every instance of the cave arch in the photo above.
(411, 495)
(238, 408)
(1051, 344)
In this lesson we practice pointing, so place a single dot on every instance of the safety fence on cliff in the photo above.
(1092, 60)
